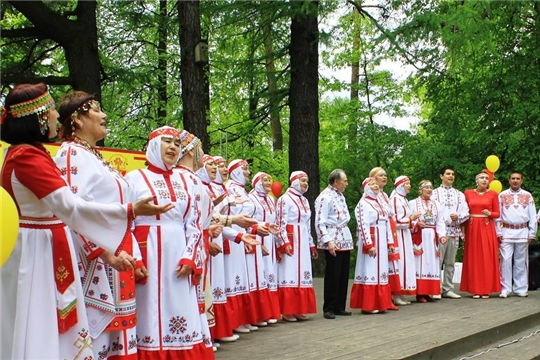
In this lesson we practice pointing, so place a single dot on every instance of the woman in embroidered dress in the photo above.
(296, 248)
(404, 219)
(242, 275)
(170, 325)
(428, 230)
(480, 275)
(371, 290)
(265, 213)
(41, 299)
(379, 174)
(108, 287)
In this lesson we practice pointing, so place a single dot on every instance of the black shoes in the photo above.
(343, 313)
(329, 315)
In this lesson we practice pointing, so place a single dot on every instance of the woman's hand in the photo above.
(264, 250)
(273, 228)
(288, 250)
(183, 270)
(214, 249)
(144, 207)
(486, 212)
(215, 230)
(219, 199)
(372, 252)
(243, 221)
(249, 239)
(442, 239)
(122, 262)
(141, 273)
(314, 254)
(421, 224)
(262, 230)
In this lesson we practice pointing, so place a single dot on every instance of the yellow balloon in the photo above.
(496, 186)
(492, 163)
(9, 225)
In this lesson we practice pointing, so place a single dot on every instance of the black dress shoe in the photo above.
(329, 315)
(343, 313)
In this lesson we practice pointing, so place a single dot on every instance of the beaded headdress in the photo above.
(38, 106)
(424, 184)
(188, 141)
(165, 131)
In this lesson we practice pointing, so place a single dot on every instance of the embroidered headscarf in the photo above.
(399, 185)
(367, 190)
(257, 183)
(294, 180)
(153, 150)
(236, 171)
(202, 173)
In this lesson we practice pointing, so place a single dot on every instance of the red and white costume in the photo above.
(406, 262)
(426, 244)
(371, 289)
(265, 213)
(258, 300)
(170, 325)
(516, 224)
(109, 294)
(295, 275)
(42, 303)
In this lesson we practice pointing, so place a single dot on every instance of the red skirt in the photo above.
(371, 297)
(295, 300)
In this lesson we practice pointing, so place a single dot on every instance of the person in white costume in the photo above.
(516, 229)
(371, 290)
(265, 213)
(428, 231)
(41, 298)
(456, 213)
(170, 323)
(331, 224)
(109, 288)
(296, 249)
(404, 219)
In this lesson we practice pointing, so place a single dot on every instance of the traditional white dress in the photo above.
(42, 304)
(257, 302)
(371, 289)
(295, 275)
(170, 324)
(393, 265)
(224, 311)
(109, 294)
(426, 245)
(265, 213)
(406, 262)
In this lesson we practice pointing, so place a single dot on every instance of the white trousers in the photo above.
(519, 271)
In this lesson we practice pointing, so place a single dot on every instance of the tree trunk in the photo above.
(355, 67)
(163, 96)
(191, 73)
(275, 122)
(303, 94)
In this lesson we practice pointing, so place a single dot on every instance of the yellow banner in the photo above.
(123, 160)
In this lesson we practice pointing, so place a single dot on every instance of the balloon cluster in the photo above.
(492, 164)
(9, 225)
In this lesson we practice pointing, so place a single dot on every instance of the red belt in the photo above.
(516, 226)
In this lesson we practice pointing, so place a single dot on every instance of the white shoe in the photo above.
(231, 338)
(522, 294)
(217, 345)
(398, 301)
(214, 348)
(451, 295)
(288, 317)
(272, 321)
(436, 297)
(262, 323)
(503, 295)
(242, 329)
(251, 327)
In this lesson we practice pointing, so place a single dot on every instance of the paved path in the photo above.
(417, 331)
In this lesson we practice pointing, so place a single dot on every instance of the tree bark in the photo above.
(191, 73)
(303, 94)
(163, 96)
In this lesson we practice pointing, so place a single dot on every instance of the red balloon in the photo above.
(276, 188)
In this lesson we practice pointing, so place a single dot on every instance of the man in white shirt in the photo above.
(456, 213)
(516, 228)
(335, 238)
